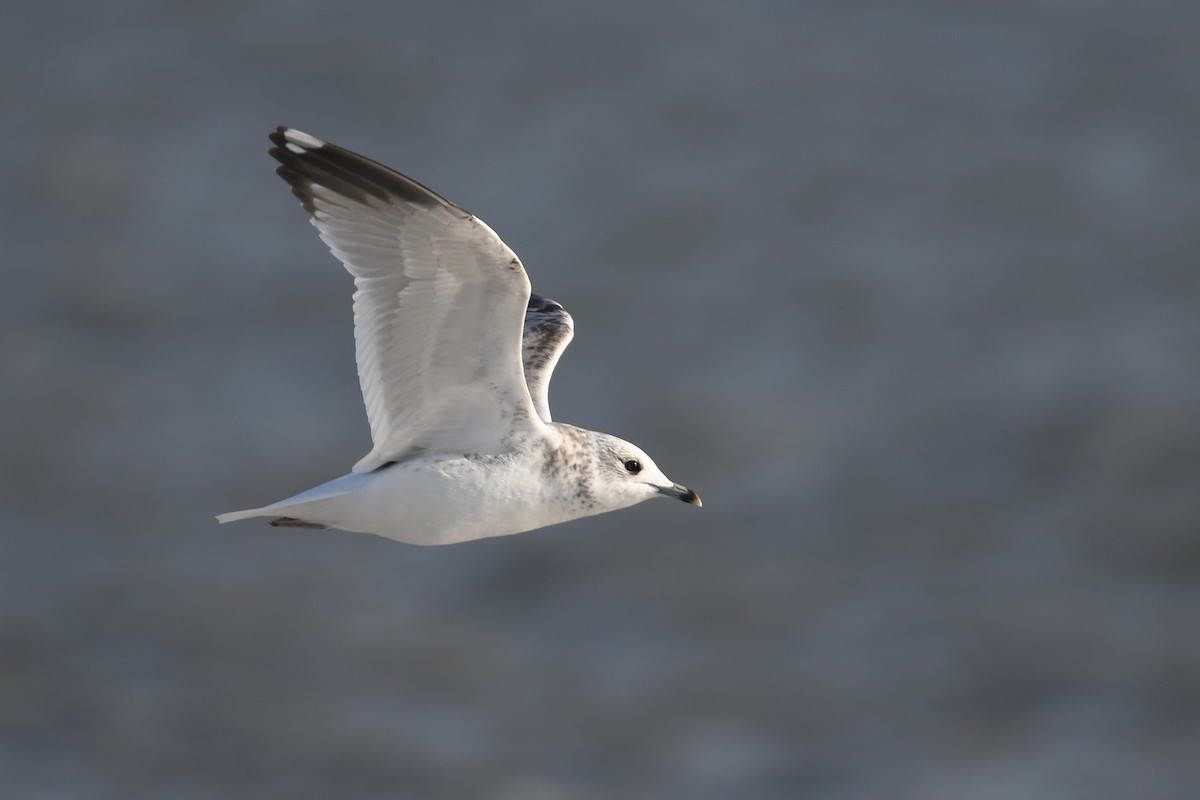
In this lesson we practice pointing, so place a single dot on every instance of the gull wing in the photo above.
(548, 331)
(438, 305)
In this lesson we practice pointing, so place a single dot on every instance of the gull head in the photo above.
(627, 475)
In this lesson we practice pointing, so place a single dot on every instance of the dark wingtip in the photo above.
(539, 303)
(309, 159)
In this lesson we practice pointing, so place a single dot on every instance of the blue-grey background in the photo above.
(907, 291)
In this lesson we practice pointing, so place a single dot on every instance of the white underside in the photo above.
(433, 502)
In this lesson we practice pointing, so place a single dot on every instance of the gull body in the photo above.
(448, 499)
(454, 357)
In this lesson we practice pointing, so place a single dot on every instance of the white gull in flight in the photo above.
(454, 358)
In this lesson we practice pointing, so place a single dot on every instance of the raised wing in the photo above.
(548, 331)
(438, 305)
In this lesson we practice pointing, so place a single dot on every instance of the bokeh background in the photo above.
(907, 291)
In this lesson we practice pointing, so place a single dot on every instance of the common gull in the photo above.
(454, 359)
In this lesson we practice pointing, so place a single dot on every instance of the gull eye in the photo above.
(633, 466)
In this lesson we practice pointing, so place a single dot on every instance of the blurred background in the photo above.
(907, 291)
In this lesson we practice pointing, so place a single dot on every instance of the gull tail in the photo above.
(234, 516)
(271, 511)
(311, 509)
(281, 520)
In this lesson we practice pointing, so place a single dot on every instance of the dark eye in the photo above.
(633, 465)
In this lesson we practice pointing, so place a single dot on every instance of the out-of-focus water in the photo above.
(908, 292)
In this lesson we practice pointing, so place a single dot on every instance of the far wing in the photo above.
(438, 308)
(548, 331)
